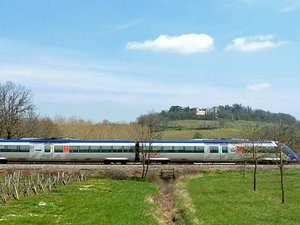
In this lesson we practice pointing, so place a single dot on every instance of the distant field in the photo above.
(95, 201)
(189, 129)
(191, 134)
(226, 198)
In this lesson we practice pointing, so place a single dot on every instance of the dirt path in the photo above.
(166, 212)
(172, 192)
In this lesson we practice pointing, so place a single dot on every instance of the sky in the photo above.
(115, 60)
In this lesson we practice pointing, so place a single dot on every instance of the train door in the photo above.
(41, 152)
(214, 153)
(48, 152)
(224, 153)
(36, 151)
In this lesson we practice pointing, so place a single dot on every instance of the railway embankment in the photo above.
(117, 171)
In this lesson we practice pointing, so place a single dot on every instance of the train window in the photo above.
(74, 148)
(24, 148)
(47, 148)
(58, 148)
(15, 148)
(3, 148)
(214, 149)
(106, 148)
(127, 149)
(167, 149)
(95, 148)
(12, 148)
(199, 149)
(224, 149)
(84, 148)
(147, 147)
(189, 148)
(117, 148)
(179, 149)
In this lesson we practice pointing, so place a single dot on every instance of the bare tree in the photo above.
(40, 127)
(246, 156)
(286, 136)
(15, 105)
(150, 131)
(253, 134)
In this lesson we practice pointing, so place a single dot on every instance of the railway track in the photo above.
(97, 165)
(118, 171)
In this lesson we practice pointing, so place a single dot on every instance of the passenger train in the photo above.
(123, 151)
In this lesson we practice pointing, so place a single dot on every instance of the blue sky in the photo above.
(118, 59)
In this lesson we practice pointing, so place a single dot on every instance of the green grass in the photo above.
(227, 198)
(213, 133)
(186, 129)
(95, 201)
(192, 124)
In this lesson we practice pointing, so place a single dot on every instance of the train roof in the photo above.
(62, 140)
(192, 141)
(208, 141)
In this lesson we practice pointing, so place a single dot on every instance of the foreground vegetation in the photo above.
(227, 198)
(211, 197)
(95, 201)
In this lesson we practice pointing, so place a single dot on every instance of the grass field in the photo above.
(210, 133)
(95, 201)
(226, 198)
(186, 129)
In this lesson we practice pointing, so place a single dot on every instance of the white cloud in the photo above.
(258, 87)
(183, 44)
(253, 43)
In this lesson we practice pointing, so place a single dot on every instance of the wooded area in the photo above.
(227, 112)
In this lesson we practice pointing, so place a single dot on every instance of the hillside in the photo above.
(189, 129)
(227, 112)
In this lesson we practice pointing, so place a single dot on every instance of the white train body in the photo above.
(66, 150)
(184, 151)
(209, 150)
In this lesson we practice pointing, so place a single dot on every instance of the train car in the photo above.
(123, 151)
(67, 150)
(213, 150)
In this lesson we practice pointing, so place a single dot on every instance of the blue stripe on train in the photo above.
(291, 153)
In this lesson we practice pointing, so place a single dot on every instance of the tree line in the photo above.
(19, 119)
(227, 112)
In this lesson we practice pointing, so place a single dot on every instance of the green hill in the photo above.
(189, 129)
